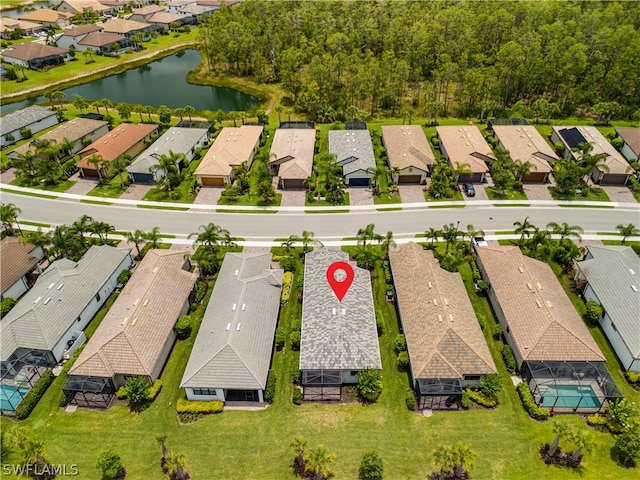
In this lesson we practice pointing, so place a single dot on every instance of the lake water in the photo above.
(162, 82)
(19, 11)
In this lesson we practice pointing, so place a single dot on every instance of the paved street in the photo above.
(260, 226)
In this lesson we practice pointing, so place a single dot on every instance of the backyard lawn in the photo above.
(243, 444)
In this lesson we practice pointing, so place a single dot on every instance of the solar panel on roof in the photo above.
(354, 125)
(572, 137)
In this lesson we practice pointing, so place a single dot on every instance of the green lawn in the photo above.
(457, 196)
(111, 190)
(324, 203)
(250, 200)
(510, 194)
(588, 194)
(63, 186)
(386, 198)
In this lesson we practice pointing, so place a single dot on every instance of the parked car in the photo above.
(479, 242)
(469, 190)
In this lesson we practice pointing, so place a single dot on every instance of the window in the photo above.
(98, 297)
(472, 377)
(78, 319)
(508, 331)
(204, 391)
(354, 372)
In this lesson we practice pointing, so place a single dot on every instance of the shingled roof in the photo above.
(23, 118)
(525, 144)
(16, 261)
(235, 340)
(116, 142)
(337, 335)
(231, 147)
(631, 137)
(465, 144)
(542, 320)
(131, 338)
(444, 339)
(39, 323)
(613, 272)
(353, 150)
(292, 149)
(407, 146)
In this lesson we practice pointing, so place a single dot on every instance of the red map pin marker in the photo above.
(340, 288)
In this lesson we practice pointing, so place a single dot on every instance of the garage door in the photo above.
(359, 182)
(212, 181)
(534, 177)
(142, 177)
(612, 179)
(409, 178)
(293, 184)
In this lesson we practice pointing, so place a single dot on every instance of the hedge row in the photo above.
(195, 407)
(480, 398)
(270, 391)
(287, 278)
(509, 359)
(34, 395)
(529, 404)
(154, 390)
(387, 272)
(633, 377)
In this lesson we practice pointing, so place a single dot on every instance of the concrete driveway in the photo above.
(537, 191)
(136, 191)
(208, 195)
(411, 193)
(292, 198)
(82, 185)
(481, 194)
(618, 193)
(360, 196)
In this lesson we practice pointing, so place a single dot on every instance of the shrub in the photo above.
(627, 446)
(410, 399)
(526, 397)
(6, 305)
(34, 395)
(296, 375)
(270, 391)
(201, 290)
(371, 467)
(465, 401)
(482, 320)
(403, 360)
(633, 377)
(136, 390)
(121, 393)
(154, 390)
(594, 312)
(480, 398)
(288, 264)
(509, 359)
(369, 384)
(124, 276)
(297, 396)
(401, 343)
(183, 327)
(491, 385)
(200, 406)
(497, 333)
(279, 339)
(617, 143)
(294, 338)
(597, 419)
(379, 323)
(287, 278)
(26, 133)
(110, 464)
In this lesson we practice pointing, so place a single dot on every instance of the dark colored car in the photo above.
(469, 190)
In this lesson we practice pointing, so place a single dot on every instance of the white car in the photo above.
(479, 242)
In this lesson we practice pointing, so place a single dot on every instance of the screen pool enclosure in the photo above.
(570, 386)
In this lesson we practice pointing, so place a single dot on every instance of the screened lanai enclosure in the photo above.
(92, 392)
(322, 385)
(19, 374)
(570, 386)
(438, 393)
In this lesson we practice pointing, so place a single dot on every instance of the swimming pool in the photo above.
(11, 396)
(569, 396)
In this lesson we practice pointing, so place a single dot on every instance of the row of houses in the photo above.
(555, 353)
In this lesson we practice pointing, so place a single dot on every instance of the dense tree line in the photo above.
(464, 58)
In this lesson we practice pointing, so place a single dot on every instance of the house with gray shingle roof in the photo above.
(232, 352)
(612, 274)
(554, 350)
(35, 118)
(446, 347)
(354, 153)
(137, 335)
(176, 140)
(338, 338)
(47, 324)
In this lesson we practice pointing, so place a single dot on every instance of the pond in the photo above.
(162, 82)
(19, 11)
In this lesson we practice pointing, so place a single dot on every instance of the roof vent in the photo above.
(549, 304)
(429, 283)
(124, 322)
(634, 288)
(155, 270)
(446, 302)
(136, 302)
(539, 303)
(529, 286)
(333, 311)
(440, 318)
(520, 269)
(539, 285)
(233, 307)
(344, 311)
(632, 272)
(228, 327)
(134, 321)
(244, 306)
(146, 301)
(435, 302)
(60, 286)
(53, 283)
(236, 273)
(238, 327)
(450, 318)
(47, 300)
(37, 300)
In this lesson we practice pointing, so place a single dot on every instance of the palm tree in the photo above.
(34, 455)
(8, 216)
(58, 95)
(209, 236)
(102, 229)
(99, 163)
(522, 168)
(367, 233)
(627, 231)
(524, 229)
(176, 465)
(153, 237)
(278, 109)
(82, 225)
(24, 164)
(318, 462)
(227, 240)
(65, 242)
(461, 169)
(298, 445)
(188, 111)
(49, 96)
(472, 232)
(136, 238)
(90, 51)
(119, 165)
(40, 239)
(582, 441)
(561, 430)
(106, 103)
(307, 239)
(387, 242)
(162, 441)
(567, 254)
(290, 242)
(450, 234)
(565, 230)
(432, 234)
(455, 460)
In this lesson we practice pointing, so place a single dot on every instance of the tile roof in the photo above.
(80, 5)
(120, 25)
(444, 339)
(465, 144)
(631, 136)
(166, 18)
(525, 144)
(407, 146)
(13, 24)
(73, 131)
(99, 39)
(15, 261)
(613, 272)
(116, 142)
(543, 322)
(37, 323)
(175, 139)
(131, 338)
(32, 51)
(22, 118)
(147, 9)
(235, 341)
(231, 147)
(77, 30)
(353, 149)
(337, 335)
(46, 15)
(614, 159)
(293, 150)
